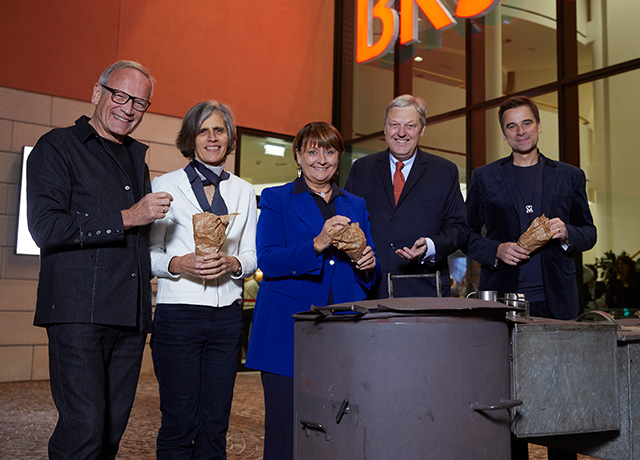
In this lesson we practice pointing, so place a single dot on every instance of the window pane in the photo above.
(608, 154)
(266, 161)
(372, 91)
(447, 139)
(608, 33)
(439, 67)
(520, 46)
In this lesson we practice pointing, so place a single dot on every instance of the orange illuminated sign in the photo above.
(407, 23)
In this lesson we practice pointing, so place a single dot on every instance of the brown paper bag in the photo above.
(537, 235)
(209, 231)
(349, 239)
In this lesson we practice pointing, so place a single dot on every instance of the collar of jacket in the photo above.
(86, 131)
(546, 161)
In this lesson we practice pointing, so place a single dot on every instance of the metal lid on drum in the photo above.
(436, 304)
(402, 306)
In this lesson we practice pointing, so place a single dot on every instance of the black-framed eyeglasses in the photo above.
(120, 97)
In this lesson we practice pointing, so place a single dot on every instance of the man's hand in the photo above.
(151, 207)
(511, 253)
(208, 267)
(559, 230)
(415, 252)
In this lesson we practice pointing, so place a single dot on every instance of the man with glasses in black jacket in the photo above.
(89, 207)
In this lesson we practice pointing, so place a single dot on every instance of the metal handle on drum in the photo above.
(307, 425)
(417, 275)
(602, 314)
(503, 404)
(344, 409)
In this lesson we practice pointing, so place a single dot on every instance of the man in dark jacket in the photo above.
(505, 197)
(89, 208)
(417, 213)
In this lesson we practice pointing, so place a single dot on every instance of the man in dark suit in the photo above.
(416, 209)
(503, 199)
(89, 207)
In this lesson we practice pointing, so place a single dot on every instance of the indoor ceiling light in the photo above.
(275, 150)
(417, 59)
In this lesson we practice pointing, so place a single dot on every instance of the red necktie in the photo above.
(398, 181)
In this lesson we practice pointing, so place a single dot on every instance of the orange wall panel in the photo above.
(270, 60)
(56, 47)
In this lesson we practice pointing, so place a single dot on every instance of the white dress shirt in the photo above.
(430, 254)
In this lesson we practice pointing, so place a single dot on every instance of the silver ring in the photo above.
(513, 259)
(165, 209)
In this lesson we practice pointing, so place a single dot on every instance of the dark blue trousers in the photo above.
(94, 373)
(195, 357)
(278, 416)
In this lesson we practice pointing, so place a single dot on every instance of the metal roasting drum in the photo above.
(433, 378)
(401, 382)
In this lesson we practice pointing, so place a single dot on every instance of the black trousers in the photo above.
(94, 373)
(195, 357)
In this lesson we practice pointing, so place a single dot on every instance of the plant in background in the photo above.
(607, 265)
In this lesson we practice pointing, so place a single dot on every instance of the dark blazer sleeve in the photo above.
(454, 231)
(480, 248)
(582, 231)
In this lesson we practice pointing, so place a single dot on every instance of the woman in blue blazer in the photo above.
(301, 268)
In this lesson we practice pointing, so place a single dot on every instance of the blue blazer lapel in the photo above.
(344, 208)
(306, 210)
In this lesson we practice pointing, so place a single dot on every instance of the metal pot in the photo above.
(426, 379)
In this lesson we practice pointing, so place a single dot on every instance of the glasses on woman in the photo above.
(121, 98)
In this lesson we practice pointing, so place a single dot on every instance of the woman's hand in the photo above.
(208, 267)
(323, 240)
(367, 261)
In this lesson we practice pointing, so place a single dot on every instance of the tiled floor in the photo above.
(27, 417)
